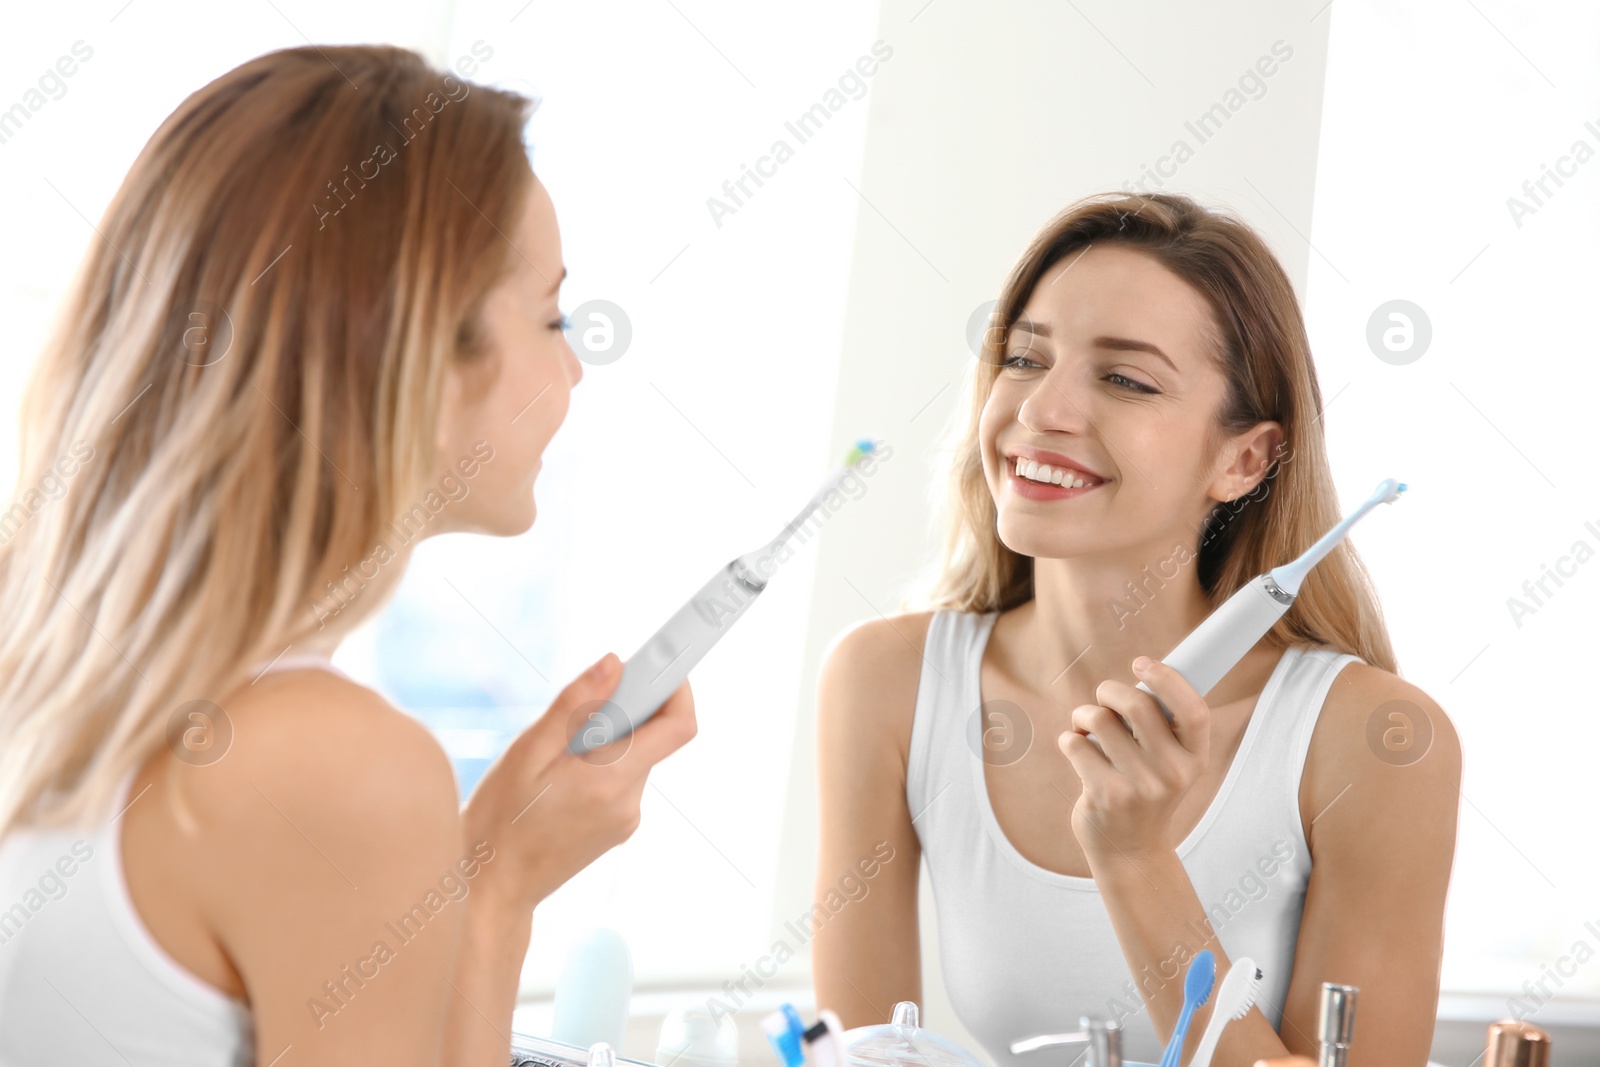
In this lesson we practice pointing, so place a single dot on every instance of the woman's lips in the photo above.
(1032, 490)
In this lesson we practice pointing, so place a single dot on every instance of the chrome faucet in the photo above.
(1103, 1038)
(1336, 1023)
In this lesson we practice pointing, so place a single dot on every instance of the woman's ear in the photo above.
(1254, 452)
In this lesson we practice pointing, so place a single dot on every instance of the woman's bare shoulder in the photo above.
(309, 727)
(286, 808)
(1383, 740)
(869, 678)
(884, 653)
(322, 780)
(1377, 712)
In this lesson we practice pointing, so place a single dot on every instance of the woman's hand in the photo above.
(548, 813)
(1132, 789)
(1287, 1061)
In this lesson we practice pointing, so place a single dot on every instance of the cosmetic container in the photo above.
(1516, 1044)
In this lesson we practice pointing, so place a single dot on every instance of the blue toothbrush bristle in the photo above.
(1201, 977)
(863, 447)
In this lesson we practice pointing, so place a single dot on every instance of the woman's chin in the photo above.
(509, 522)
(1025, 538)
(523, 520)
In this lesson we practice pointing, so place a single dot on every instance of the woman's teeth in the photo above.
(1048, 475)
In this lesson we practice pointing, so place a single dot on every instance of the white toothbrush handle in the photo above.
(655, 671)
(1208, 1040)
(1218, 644)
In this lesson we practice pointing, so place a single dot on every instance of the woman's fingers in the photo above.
(636, 751)
(1139, 711)
(1144, 766)
(1117, 745)
(1090, 762)
(1191, 715)
(668, 730)
(573, 709)
(552, 812)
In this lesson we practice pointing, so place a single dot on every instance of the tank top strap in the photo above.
(1286, 724)
(1259, 799)
(946, 725)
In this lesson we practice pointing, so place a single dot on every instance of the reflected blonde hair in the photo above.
(1265, 357)
(251, 356)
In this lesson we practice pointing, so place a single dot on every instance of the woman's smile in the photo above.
(1024, 477)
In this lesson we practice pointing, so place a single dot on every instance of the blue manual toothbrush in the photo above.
(1197, 983)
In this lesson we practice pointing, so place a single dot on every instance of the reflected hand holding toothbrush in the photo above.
(1135, 743)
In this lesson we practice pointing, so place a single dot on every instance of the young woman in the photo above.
(1303, 814)
(323, 301)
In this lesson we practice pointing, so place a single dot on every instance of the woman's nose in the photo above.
(1055, 404)
(574, 366)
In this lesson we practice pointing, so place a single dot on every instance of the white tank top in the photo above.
(82, 980)
(1025, 950)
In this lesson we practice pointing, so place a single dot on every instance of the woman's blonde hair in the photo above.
(241, 394)
(1266, 360)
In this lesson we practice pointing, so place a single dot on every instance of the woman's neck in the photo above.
(1090, 617)
(323, 645)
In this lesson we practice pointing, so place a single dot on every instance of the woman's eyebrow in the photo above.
(1125, 344)
(1119, 344)
(557, 283)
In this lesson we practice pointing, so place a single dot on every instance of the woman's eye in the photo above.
(1021, 361)
(1136, 386)
(563, 324)
(1017, 359)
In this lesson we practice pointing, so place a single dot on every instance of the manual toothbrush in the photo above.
(1197, 983)
(1236, 996)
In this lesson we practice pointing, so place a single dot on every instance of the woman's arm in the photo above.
(546, 814)
(866, 957)
(1374, 907)
(1380, 796)
(1132, 786)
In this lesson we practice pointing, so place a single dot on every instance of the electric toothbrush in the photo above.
(1228, 633)
(655, 671)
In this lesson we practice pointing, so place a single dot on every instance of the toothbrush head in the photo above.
(1388, 491)
(862, 448)
(1289, 576)
(1200, 979)
(1252, 991)
(785, 1032)
(1240, 987)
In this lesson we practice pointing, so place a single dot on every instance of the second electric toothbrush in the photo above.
(1227, 634)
